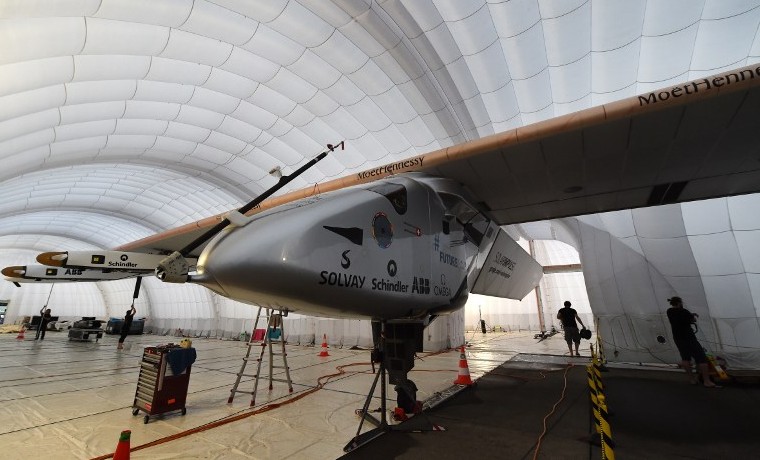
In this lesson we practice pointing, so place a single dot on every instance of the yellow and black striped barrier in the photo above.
(599, 349)
(599, 406)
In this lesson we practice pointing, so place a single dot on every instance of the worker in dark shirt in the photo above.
(44, 320)
(126, 326)
(568, 316)
(686, 341)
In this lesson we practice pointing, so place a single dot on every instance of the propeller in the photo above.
(174, 268)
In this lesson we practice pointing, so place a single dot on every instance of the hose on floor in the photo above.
(554, 408)
(321, 382)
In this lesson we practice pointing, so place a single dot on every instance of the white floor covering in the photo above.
(70, 400)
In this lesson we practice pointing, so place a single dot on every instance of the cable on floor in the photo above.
(554, 408)
(321, 382)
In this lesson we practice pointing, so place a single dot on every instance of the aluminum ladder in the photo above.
(275, 327)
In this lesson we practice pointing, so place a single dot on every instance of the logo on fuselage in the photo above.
(421, 286)
(444, 257)
(448, 259)
(388, 285)
(122, 264)
(382, 230)
(349, 280)
(392, 268)
(505, 261)
(342, 279)
(442, 291)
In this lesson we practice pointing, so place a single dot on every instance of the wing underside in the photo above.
(697, 140)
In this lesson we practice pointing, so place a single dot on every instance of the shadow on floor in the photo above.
(654, 414)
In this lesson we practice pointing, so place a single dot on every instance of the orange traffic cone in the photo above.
(324, 346)
(122, 448)
(464, 372)
(20, 335)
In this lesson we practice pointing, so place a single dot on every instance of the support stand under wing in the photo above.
(395, 346)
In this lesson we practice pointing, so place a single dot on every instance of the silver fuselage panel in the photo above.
(377, 250)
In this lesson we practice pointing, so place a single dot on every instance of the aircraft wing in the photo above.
(45, 274)
(696, 140)
(688, 142)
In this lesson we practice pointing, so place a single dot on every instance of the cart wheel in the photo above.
(145, 419)
(135, 411)
(184, 410)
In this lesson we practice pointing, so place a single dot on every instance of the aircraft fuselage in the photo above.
(390, 249)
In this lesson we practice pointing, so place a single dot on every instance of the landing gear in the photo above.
(394, 349)
(381, 426)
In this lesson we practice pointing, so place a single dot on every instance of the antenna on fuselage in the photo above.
(174, 268)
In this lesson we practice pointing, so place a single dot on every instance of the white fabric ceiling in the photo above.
(121, 118)
(107, 99)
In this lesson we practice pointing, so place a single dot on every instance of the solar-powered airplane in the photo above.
(405, 242)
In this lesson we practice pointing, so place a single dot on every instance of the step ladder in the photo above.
(275, 327)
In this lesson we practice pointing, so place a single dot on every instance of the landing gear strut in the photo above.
(381, 426)
(395, 344)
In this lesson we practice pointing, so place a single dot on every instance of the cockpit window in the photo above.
(395, 193)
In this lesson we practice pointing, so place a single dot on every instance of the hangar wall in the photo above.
(555, 288)
(706, 252)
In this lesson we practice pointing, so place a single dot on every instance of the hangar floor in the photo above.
(71, 399)
(66, 399)
(653, 414)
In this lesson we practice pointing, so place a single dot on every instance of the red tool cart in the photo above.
(163, 381)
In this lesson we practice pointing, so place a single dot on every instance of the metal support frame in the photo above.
(381, 426)
(418, 422)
